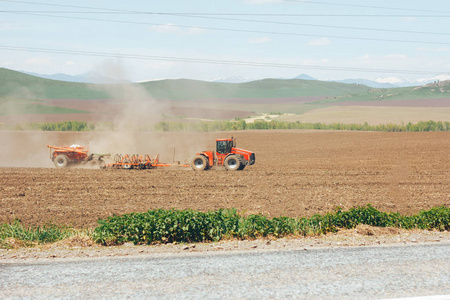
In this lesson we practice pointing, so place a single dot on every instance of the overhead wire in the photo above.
(203, 15)
(194, 15)
(209, 15)
(256, 14)
(212, 61)
(248, 31)
(229, 14)
(366, 6)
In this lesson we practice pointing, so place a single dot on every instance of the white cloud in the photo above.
(34, 61)
(319, 42)
(167, 28)
(399, 56)
(441, 77)
(70, 63)
(259, 40)
(389, 80)
(365, 56)
(174, 29)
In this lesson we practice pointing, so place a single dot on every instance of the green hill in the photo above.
(17, 85)
(439, 90)
(184, 89)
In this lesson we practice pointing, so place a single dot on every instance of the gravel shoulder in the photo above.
(80, 248)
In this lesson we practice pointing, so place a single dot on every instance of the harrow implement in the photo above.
(137, 161)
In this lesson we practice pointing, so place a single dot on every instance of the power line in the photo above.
(367, 6)
(212, 61)
(248, 31)
(122, 11)
(246, 20)
(312, 25)
(193, 14)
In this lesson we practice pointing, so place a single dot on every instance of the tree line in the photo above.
(169, 126)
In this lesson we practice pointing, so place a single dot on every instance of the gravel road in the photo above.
(363, 273)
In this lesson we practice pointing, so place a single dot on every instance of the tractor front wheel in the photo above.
(61, 161)
(232, 163)
(199, 163)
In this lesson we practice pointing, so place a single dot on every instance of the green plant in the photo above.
(31, 235)
(193, 226)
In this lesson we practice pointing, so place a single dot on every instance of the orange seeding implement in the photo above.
(65, 156)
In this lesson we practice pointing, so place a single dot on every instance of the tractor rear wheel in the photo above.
(199, 163)
(232, 163)
(61, 161)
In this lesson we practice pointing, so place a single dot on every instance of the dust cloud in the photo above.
(137, 114)
(134, 122)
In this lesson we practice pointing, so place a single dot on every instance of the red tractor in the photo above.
(226, 154)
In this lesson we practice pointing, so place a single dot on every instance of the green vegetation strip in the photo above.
(166, 226)
(29, 236)
(423, 126)
(263, 124)
(192, 226)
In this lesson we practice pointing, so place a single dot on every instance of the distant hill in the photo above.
(367, 82)
(89, 77)
(19, 85)
(93, 77)
(439, 90)
(233, 79)
(185, 89)
(304, 77)
(15, 84)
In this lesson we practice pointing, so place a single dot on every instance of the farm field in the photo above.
(297, 173)
(373, 115)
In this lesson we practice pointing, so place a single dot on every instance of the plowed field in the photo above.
(297, 173)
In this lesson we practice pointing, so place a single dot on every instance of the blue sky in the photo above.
(207, 40)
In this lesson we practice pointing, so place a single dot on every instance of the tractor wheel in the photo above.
(241, 167)
(61, 161)
(199, 163)
(232, 163)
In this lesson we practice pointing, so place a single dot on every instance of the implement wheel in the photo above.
(127, 164)
(61, 161)
(199, 163)
(232, 163)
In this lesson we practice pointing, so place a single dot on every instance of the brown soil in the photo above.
(297, 173)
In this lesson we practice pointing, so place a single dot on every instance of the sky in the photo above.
(140, 40)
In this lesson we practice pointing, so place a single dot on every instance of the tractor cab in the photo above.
(223, 146)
